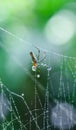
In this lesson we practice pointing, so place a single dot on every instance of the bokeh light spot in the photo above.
(61, 27)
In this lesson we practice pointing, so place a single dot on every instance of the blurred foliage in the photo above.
(20, 17)
(33, 13)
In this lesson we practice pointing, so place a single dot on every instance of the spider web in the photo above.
(57, 110)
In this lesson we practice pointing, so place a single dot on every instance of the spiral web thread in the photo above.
(63, 73)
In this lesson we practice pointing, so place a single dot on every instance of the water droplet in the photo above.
(33, 68)
(22, 94)
(44, 65)
(49, 68)
(38, 75)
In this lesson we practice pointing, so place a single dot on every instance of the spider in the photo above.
(37, 61)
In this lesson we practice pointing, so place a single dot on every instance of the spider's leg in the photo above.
(38, 55)
(44, 57)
